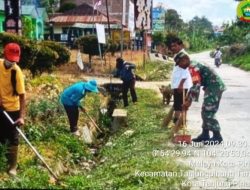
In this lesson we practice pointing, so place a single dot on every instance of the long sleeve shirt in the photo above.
(72, 95)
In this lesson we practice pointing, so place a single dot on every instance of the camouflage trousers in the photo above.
(210, 106)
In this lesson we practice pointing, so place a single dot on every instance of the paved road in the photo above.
(223, 166)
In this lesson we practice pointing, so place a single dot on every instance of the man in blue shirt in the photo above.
(71, 97)
(126, 74)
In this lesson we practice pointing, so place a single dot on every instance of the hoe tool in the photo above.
(92, 120)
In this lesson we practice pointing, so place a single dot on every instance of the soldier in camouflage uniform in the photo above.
(213, 87)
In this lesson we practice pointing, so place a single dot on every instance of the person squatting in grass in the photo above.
(126, 74)
(181, 78)
(213, 87)
(12, 100)
(71, 97)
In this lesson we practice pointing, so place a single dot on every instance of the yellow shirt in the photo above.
(10, 102)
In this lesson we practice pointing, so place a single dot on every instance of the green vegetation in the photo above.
(37, 57)
(127, 154)
(242, 62)
(235, 44)
(155, 70)
(236, 32)
(197, 34)
(117, 162)
(89, 44)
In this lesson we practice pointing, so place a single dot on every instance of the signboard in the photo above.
(143, 12)
(116, 36)
(158, 25)
(158, 19)
(131, 17)
(100, 33)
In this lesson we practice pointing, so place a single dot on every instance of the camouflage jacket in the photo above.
(210, 80)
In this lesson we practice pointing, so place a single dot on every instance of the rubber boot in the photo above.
(216, 139)
(12, 160)
(204, 136)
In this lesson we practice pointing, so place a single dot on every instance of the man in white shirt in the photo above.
(181, 79)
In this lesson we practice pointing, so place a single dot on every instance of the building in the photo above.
(218, 31)
(80, 21)
(37, 18)
(31, 14)
(115, 7)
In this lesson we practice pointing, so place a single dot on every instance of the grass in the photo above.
(127, 155)
(150, 71)
(242, 62)
(155, 70)
(116, 164)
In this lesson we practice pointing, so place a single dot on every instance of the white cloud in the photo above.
(216, 11)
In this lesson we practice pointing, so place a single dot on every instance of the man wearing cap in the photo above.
(71, 97)
(213, 87)
(181, 78)
(12, 100)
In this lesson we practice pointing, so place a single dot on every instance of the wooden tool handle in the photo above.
(184, 112)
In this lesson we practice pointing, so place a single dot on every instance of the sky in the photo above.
(216, 11)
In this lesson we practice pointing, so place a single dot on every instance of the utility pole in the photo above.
(107, 11)
(123, 22)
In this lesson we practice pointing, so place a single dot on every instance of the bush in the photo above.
(89, 45)
(237, 50)
(44, 60)
(112, 47)
(231, 52)
(38, 57)
(62, 51)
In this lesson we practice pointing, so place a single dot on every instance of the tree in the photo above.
(201, 26)
(234, 33)
(28, 28)
(50, 5)
(173, 21)
(66, 7)
(200, 33)
(89, 45)
(158, 38)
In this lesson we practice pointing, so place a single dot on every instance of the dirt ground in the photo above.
(100, 67)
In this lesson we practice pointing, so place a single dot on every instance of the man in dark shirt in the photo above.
(126, 74)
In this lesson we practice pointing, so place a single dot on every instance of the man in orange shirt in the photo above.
(12, 100)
